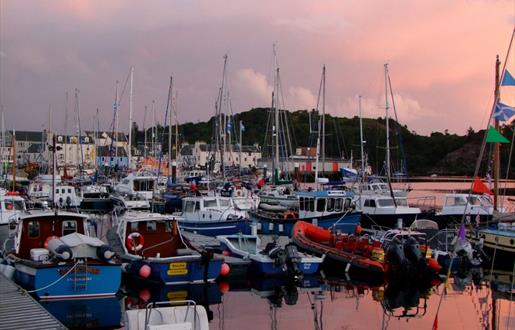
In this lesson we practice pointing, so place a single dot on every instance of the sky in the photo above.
(441, 56)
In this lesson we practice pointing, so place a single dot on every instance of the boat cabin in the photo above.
(150, 235)
(142, 185)
(10, 206)
(377, 204)
(35, 230)
(320, 203)
(467, 204)
(209, 208)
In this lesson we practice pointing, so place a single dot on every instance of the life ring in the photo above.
(48, 240)
(131, 241)
(290, 215)
(239, 193)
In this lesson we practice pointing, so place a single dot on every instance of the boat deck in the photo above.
(18, 310)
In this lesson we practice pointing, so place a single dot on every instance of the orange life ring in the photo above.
(48, 240)
(290, 215)
(131, 241)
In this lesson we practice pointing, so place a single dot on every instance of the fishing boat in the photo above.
(142, 185)
(360, 253)
(56, 259)
(386, 211)
(476, 207)
(498, 241)
(273, 259)
(331, 208)
(153, 249)
(213, 215)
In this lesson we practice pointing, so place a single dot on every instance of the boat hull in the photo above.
(84, 281)
(178, 270)
(284, 227)
(215, 228)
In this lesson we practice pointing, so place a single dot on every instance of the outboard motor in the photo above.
(395, 254)
(60, 250)
(291, 294)
(292, 259)
(413, 253)
(104, 252)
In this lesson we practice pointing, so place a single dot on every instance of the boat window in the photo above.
(151, 226)
(474, 200)
(401, 202)
(347, 203)
(301, 203)
(69, 227)
(338, 205)
(210, 203)
(125, 181)
(189, 206)
(197, 206)
(143, 185)
(224, 202)
(370, 203)
(134, 226)
(330, 204)
(33, 229)
(320, 204)
(455, 201)
(168, 226)
(385, 202)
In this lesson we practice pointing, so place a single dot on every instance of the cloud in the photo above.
(300, 98)
(253, 84)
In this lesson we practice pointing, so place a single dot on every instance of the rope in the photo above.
(56, 281)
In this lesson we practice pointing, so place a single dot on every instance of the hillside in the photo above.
(441, 153)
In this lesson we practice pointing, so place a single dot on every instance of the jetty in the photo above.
(18, 310)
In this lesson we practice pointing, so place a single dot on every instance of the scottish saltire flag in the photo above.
(503, 112)
(508, 79)
(229, 124)
(242, 128)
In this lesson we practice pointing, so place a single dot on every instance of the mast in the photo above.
(361, 141)
(80, 155)
(496, 155)
(96, 138)
(154, 130)
(176, 127)
(323, 122)
(276, 126)
(145, 131)
(241, 132)
(129, 151)
(13, 143)
(170, 104)
(3, 144)
(65, 128)
(115, 137)
(387, 107)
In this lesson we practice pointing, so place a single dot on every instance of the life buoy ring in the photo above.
(48, 240)
(239, 193)
(131, 241)
(290, 215)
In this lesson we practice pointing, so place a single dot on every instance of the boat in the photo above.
(350, 251)
(141, 185)
(476, 207)
(188, 315)
(214, 215)
(153, 249)
(329, 208)
(272, 259)
(384, 211)
(498, 241)
(12, 206)
(54, 258)
(281, 196)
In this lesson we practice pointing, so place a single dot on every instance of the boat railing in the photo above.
(443, 240)
(151, 307)
(424, 203)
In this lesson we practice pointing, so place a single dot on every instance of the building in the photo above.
(197, 155)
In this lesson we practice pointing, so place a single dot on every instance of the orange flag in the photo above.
(480, 187)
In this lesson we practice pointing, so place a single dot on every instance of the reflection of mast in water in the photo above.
(318, 296)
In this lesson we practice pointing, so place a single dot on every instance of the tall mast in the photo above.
(154, 130)
(170, 104)
(3, 143)
(323, 121)
(361, 140)
(176, 127)
(96, 138)
(13, 146)
(221, 114)
(80, 154)
(129, 151)
(387, 107)
(276, 126)
(496, 155)
(65, 128)
(115, 137)
(145, 131)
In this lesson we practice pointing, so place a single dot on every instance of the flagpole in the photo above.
(241, 132)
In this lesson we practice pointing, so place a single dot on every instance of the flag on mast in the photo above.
(507, 79)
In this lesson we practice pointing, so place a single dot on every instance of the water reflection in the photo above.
(475, 299)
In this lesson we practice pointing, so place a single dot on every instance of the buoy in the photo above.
(145, 271)
(225, 269)
(223, 287)
(226, 253)
(144, 295)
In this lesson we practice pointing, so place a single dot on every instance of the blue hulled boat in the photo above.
(272, 259)
(55, 259)
(215, 215)
(153, 249)
(326, 209)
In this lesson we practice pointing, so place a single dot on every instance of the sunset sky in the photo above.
(441, 55)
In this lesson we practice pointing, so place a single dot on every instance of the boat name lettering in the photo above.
(177, 295)
(177, 268)
(80, 269)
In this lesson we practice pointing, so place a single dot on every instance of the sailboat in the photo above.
(498, 237)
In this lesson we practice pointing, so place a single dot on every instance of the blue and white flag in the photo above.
(229, 124)
(503, 112)
(508, 79)
(242, 128)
